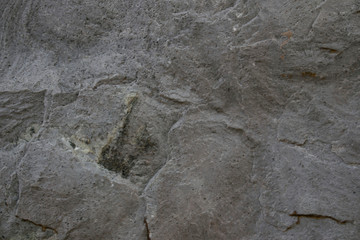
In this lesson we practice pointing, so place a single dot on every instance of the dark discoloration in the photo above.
(19, 111)
(121, 154)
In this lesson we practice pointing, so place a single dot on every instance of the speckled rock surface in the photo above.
(156, 120)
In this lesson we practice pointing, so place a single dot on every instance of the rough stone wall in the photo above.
(180, 119)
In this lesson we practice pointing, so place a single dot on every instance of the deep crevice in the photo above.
(147, 229)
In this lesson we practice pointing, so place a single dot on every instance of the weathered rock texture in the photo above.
(181, 119)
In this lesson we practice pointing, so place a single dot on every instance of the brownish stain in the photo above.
(289, 76)
(43, 227)
(331, 50)
(309, 74)
(287, 34)
(306, 74)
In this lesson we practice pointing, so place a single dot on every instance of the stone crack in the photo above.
(147, 229)
(43, 227)
(314, 216)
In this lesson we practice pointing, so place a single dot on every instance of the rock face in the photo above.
(154, 119)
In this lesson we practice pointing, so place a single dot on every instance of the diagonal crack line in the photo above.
(43, 227)
(147, 229)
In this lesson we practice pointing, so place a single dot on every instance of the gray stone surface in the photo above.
(144, 119)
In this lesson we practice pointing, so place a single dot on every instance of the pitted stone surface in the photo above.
(154, 119)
